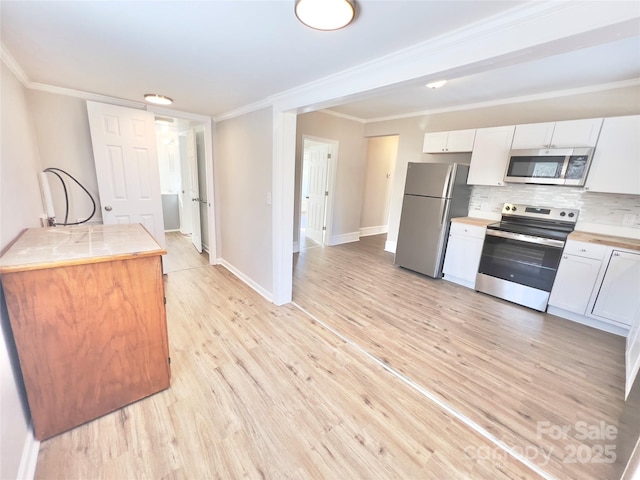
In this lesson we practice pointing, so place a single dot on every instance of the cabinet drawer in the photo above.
(585, 249)
(461, 228)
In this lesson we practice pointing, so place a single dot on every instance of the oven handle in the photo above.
(526, 238)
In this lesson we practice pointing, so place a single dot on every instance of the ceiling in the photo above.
(217, 56)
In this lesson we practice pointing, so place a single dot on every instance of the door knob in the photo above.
(108, 208)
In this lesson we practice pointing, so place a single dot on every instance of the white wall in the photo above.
(617, 102)
(64, 141)
(243, 166)
(378, 182)
(20, 207)
(347, 200)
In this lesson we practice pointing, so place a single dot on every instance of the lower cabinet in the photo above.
(464, 248)
(619, 296)
(597, 285)
(577, 276)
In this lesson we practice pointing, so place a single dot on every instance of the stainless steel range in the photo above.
(521, 253)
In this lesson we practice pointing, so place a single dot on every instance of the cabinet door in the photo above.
(435, 142)
(615, 167)
(490, 155)
(574, 283)
(463, 257)
(576, 133)
(618, 298)
(461, 140)
(533, 135)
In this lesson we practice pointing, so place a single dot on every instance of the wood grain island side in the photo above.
(86, 307)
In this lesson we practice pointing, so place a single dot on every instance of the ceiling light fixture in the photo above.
(437, 84)
(157, 99)
(325, 14)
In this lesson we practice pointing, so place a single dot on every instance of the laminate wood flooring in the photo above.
(373, 383)
(520, 375)
(181, 254)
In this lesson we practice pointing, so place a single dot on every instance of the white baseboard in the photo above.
(247, 280)
(171, 230)
(344, 238)
(390, 246)
(296, 247)
(367, 231)
(590, 322)
(29, 460)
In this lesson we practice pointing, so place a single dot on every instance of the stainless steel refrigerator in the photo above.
(433, 194)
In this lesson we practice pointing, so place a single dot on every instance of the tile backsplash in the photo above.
(595, 208)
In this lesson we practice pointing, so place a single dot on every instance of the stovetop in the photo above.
(545, 222)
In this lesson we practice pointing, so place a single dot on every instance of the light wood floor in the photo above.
(260, 391)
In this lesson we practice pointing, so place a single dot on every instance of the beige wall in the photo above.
(347, 200)
(20, 207)
(378, 181)
(243, 166)
(617, 102)
(64, 141)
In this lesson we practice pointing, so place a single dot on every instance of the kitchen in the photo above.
(435, 123)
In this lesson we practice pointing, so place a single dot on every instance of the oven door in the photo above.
(519, 268)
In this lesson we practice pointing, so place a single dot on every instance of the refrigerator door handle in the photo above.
(448, 187)
(445, 213)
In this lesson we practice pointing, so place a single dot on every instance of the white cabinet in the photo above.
(570, 133)
(615, 167)
(464, 248)
(449, 142)
(619, 295)
(490, 155)
(577, 276)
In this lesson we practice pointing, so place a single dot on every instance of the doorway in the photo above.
(317, 181)
(181, 158)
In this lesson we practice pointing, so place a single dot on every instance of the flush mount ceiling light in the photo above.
(157, 99)
(437, 84)
(325, 14)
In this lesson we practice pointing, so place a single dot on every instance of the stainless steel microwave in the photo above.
(549, 166)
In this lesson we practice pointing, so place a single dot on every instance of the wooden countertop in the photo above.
(41, 248)
(480, 222)
(610, 240)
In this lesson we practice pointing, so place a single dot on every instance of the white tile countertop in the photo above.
(39, 248)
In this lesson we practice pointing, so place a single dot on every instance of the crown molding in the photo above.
(342, 115)
(96, 97)
(13, 65)
(510, 100)
(252, 107)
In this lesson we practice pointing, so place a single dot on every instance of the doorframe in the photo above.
(208, 155)
(333, 148)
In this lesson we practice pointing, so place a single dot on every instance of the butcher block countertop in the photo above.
(480, 222)
(609, 240)
(41, 248)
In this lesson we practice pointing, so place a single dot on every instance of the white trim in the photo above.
(13, 65)
(252, 107)
(367, 231)
(29, 458)
(95, 97)
(283, 201)
(171, 230)
(511, 451)
(343, 238)
(258, 288)
(390, 246)
(505, 101)
(209, 168)
(590, 322)
(343, 115)
(296, 247)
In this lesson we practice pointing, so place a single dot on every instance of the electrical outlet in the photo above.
(629, 220)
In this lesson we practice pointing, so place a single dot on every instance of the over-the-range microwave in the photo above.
(549, 166)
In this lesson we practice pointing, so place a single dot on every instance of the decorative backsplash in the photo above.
(599, 208)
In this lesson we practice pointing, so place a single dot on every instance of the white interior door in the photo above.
(194, 189)
(126, 159)
(632, 353)
(317, 164)
(185, 194)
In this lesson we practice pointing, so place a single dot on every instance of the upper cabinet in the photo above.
(449, 142)
(490, 155)
(570, 133)
(615, 167)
